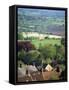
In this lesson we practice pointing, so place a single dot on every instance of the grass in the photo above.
(37, 42)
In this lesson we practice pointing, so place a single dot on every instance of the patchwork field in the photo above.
(43, 42)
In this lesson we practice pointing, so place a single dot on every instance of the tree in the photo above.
(32, 56)
(21, 55)
(62, 66)
(20, 36)
(63, 41)
(60, 53)
(47, 37)
(25, 45)
(48, 61)
(48, 51)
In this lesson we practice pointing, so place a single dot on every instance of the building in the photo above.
(49, 68)
(40, 36)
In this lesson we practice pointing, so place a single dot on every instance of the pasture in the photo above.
(44, 42)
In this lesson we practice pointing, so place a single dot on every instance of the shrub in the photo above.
(48, 61)
(33, 56)
(62, 66)
(21, 55)
(60, 53)
(20, 36)
(48, 51)
(46, 37)
(54, 76)
(63, 41)
(25, 45)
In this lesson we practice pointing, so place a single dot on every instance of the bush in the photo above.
(46, 37)
(63, 41)
(63, 75)
(20, 36)
(20, 63)
(62, 66)
(25, 45)
(21, 55)
(48, 51)
(33, 56)
(48, 61)
(54, 76)
(60, 53)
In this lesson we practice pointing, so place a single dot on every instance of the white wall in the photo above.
(4, 40)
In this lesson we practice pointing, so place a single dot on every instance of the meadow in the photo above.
(43, 42)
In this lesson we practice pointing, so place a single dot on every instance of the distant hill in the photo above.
(41, 21)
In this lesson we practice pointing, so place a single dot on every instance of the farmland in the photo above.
(37, 42)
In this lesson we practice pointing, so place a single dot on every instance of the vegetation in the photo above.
(54, 76)
(20, 36)
(45, 53)
(45, 42)
(21, 54)
(63, 41)
(40, 51)
(26, 46)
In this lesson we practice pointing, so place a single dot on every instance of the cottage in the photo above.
(49, 68)
(21, 72)
(31, 68)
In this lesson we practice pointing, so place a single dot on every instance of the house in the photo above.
(49, 68)
(39, 35)
(31, 68)
(21, 72)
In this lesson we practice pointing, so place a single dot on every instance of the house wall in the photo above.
(38, 35)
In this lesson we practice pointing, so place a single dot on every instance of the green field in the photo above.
(38, 42)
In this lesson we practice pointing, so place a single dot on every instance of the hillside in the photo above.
(42, 21)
